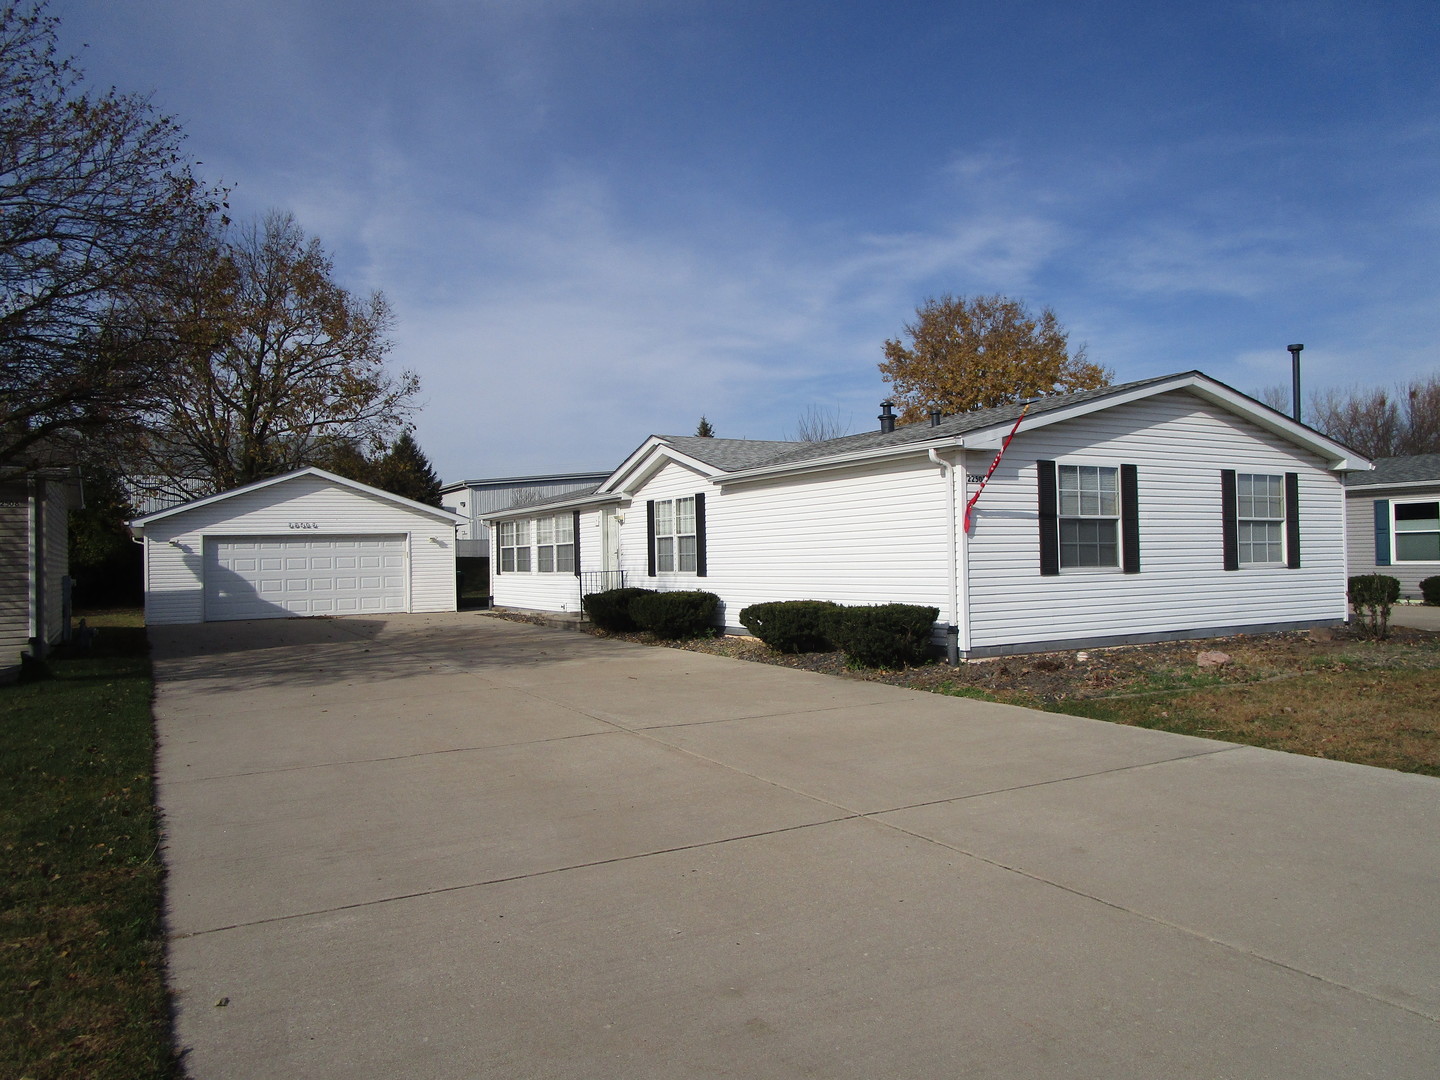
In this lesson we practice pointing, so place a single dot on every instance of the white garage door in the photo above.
(262, 577)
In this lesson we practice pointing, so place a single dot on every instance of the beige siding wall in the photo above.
(1179, 445)
(1360, 534)
(14, 576)
(173, 572)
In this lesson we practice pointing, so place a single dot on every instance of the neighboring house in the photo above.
(306, 543)
(1167, 508)
(1393, 520)
(474, 499)
(35, 504)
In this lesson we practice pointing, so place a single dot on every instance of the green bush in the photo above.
(887, 636)
(1430, 590)
(790, 626)
(610, 610)
(1371, 595)
(672, 615)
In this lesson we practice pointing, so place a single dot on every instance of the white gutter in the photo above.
(544, 508)
(952, 567)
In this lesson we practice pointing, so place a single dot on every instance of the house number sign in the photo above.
(304, 525)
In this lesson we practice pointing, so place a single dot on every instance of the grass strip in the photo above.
(82, 988)
(1386, 718)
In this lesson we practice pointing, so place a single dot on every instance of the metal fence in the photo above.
(593, 581)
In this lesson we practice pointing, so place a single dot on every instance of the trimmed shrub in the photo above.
(1430, 589)
(790, 626)
(672, 615)
(887, 636)
(1371, 595)
(610, 610)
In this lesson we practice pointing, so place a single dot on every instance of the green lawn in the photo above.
(81, 944)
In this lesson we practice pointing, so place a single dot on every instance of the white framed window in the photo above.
(676, 546)
(555, 544)
(1089, 510)
(1416, 530)
(1260, 518)
(514, 547)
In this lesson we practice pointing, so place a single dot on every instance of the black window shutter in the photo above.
(650, 535)
(495, 549)
(1049, 519)
(700, 534)
(575, 533)
(1130, 519)
(1230, 544)
(1292, 520)
(1382, 532)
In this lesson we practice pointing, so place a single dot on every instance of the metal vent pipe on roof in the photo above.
(1295, 380)
(935, 417)
(887, 417)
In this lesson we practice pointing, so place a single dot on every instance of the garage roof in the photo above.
(138, 525)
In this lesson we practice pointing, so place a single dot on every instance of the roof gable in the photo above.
(354, 485)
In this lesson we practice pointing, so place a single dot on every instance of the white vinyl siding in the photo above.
(14, 576)
(869, 534)
(305, 507)
(1180, 443)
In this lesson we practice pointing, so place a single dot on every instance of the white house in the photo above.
(1393, 520)
(1166, 508)
(306, 543)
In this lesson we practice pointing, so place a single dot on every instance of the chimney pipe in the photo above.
(1295, 380)
(886, 417)
(935, 417)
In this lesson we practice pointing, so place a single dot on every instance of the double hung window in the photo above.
(1089, 497)
(1260, 518)
(1417, 531)
(676, 545)
(555, 544)
(514, 547)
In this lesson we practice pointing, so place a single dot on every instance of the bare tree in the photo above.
(280, 363)
(1278, 397)
(817, 424)
(97, 204)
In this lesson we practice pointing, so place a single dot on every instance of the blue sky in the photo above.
(601, 220)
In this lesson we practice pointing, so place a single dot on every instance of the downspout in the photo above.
(952, 567)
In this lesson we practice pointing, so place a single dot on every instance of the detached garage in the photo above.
(303, 544)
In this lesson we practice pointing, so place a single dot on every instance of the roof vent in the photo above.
(935, 417)
(887, 417)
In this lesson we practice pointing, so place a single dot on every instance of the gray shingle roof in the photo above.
(1419, 469)
(729, 454)
(952, 425)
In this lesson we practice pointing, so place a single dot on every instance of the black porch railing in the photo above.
(593, 581)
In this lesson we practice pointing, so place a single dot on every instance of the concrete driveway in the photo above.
(453, 847)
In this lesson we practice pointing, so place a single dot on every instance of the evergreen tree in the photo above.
(705, 430)
(406, 471)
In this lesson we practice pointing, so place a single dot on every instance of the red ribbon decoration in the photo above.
(974, 498)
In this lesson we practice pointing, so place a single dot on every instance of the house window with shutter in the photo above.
(1260, 519)
(676, 538)
(1089, 512)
